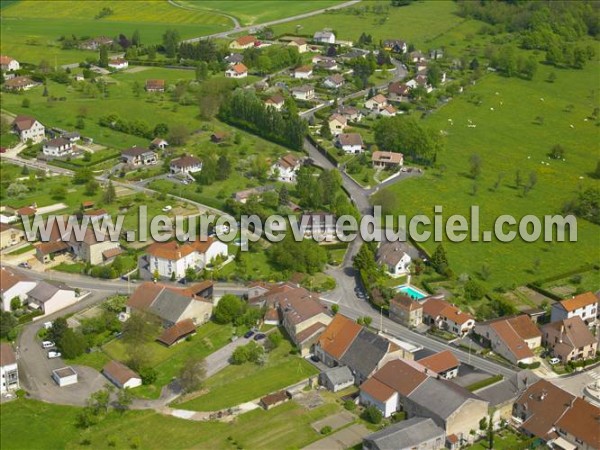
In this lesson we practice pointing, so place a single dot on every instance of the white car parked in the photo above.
(48, 344)
(554, 361)
(53, 354)
(167, 208)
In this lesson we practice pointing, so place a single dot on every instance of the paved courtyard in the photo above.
(335, 421)
(340, 440)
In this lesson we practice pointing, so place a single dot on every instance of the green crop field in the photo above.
(251, 12)
(31, 29)
(507, 139)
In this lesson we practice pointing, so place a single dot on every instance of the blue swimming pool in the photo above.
(411, 291)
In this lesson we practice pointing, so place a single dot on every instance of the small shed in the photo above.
(121, 375)
(337, 378)
(64, 376)
(273, 400)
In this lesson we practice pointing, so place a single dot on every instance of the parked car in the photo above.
(554, 361)
(47, 325)
(167, 208)
(53, 354)
(249, 334)
(260, 337)
(25, 265)
(48, 344)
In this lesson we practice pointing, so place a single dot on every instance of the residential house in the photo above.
(336, 378)
(8, 64)
(155, 85)
(582, 305)
(58, 148)
(350, 143)
(234, 58)
(238, 70)
(118, 64)
(159, 143)
(411, 387)
(336, 339)
(257, 192)
(395, 46)
(388, 111)
(328, 65)
(337, 123)
(394, 257)
(387, 160)
(121, 375)
(276, 101)
(502, 395)
(304, 92)
(13, 285)
(20, 84)
(422, 67)
(416, 433)
(243, 42)
(416, 57)
(319, 225)
(9, 371)
(171, 259)
(218, 136)
(269, 295)
(444, 363)
(285, 168)
(441, 314)
(398, 91)
(177, 332)
(139, 156)
(304, 318)
(513, 338)
(324, 37)
(29, 128)
(436, 53)
(95, 215)
(376, 103)
(557, 417)
(321, 58)
(95, 43)
(173, 305)
(406, 311)
(71, 136)
(185, 164)
(334, 81)
(50, 297)
(351, 113)
(569, 340)
(10, 235)
(303, 72)
(299, 44)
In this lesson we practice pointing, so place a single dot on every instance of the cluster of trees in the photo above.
(99, 405)
(506, 60)
(251, 352)
(585, 205)
(323, 191)
(70, 343)
(170, 43)
(232, 309)
(213, 169)
(405, 135)
(8, 325)
(245, 110)
(271, 59)
(138, 332)
(305, 256)
(203, 50)
(363, 68)
(135, 127)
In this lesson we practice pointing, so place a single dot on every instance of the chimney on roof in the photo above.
(544, 395)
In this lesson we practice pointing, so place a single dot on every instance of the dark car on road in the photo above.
(249, 334)
(260, 337)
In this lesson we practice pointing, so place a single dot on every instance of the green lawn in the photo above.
(168, 361)
(238, 384)
(70, 268)
(503, 440)
(506, 139)
(55, 428)
(31, 29)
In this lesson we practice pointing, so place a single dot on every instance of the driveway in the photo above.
(219, 359)
(575, 383)
(346, 438)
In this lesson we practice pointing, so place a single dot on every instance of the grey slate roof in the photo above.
(365, 352)
(509, 389)
(440, 397)
(339, 375)
(170, 305)
(44, 291)
(407, 434)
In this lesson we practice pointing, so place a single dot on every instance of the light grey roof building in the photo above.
(337, 378)
(418, 432)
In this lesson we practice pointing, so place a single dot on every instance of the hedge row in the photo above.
(543, 291)
(484, 383)
(560, 276)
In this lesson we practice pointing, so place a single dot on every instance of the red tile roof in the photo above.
(245, 40)
(338, 336)
(579, 301)
(440, 362)
(377, 390)
(119, 372)
(582, 420)
(177, 332)
(7, 356)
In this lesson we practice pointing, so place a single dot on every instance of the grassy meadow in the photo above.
(259, 429)
(507, 138)
(31, 29)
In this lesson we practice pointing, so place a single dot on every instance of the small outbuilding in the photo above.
(337, 378)
(121, 375)
(273, 400)
(64, 376)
